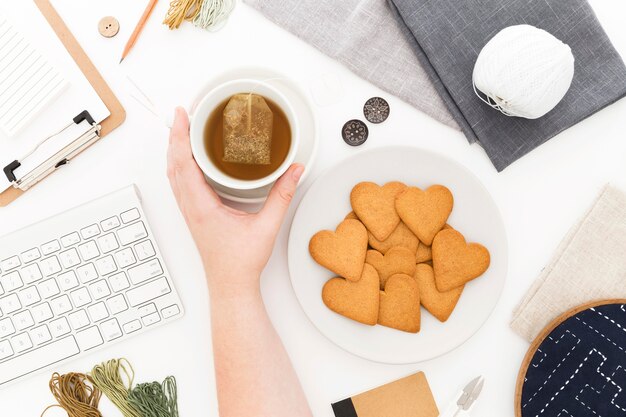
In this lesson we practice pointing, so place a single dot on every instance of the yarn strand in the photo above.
(213, 14)
(156, 400)
(75, 395)
(109, 378)
(181, 10)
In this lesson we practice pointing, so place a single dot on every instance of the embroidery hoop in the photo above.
(542, 336)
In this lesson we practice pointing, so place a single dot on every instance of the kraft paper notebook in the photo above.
(53, 101)
(406, 397)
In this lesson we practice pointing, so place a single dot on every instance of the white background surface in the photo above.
(540, 196)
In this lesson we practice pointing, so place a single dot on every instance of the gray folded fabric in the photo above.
(448, 35)
(589, 265)
(364, 36)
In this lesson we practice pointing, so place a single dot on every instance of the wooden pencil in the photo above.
(138, 28)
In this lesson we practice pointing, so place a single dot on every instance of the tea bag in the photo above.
(248, 123)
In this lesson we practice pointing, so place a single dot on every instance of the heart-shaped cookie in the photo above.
(397, 260)
(401, 236)
(438, 303)
(424, 253)
(456, 262)
(400, 304)
(425, 212)
(356, 300)
(342, 251)
(375, 206)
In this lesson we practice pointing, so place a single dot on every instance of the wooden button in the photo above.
(108, 26)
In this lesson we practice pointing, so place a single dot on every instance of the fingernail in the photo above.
(297, 172)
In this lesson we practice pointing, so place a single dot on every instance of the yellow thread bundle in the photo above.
(75, 395)
(181, 10)
(108, 378)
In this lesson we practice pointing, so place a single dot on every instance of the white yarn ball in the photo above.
(524, 71)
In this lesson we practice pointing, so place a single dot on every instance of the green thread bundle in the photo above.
(156, 400)
(79, 394)
(108, 378)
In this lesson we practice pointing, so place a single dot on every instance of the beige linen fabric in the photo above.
(589, 265)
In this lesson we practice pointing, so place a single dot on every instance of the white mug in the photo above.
(212, 100)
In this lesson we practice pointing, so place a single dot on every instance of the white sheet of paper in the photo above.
(77, 96)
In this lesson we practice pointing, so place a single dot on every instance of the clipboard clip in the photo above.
(60, 158)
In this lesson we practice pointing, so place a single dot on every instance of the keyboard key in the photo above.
(30, 255)
(50, 247)
(29, 296)
(108, 243)
(99, 289)
(148, 292)
(9, 304)
(23, 320)
(87, 273)
(110, 329)
(6, 327)
(31, 273)
(125, 257)
(5, 351)
(145, 271)
(61, 305)
(90, 338)
(147, 309)
(67, 280)
(80, 297)
(42, 312)
(132, 326)
(117, 304)
(98, 312)
(150, 319)
(10, 263)
(40, 334)
(132, 233)
(48, 288)
(89, 250)
(106, 265)
(21, 342)
(119, 282)
(37, 359)
(59, 327)
(130, 215)
(78, 319)
(90, 231)
(69, 258)
(170, 311)
(110, 223)
(50, 266)
(70, 240)
(11, 281)
(144, 250)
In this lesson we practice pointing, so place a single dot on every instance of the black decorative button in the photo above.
(354, 132)
(376, 110)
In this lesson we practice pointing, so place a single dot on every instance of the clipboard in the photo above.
(117, 112)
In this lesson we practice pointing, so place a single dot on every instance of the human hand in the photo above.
(234, 245)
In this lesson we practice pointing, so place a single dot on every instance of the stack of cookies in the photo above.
(394, 253)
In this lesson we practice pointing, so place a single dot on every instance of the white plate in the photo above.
(475, 215)
(304, 111)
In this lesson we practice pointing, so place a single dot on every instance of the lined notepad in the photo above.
(28, 82)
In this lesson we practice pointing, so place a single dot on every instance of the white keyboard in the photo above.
(79, 281)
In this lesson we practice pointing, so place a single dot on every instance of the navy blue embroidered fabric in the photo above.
(579, 370)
